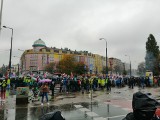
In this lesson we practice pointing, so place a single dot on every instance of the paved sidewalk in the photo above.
(119, 94)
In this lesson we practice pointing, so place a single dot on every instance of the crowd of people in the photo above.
(75, 84)
(81, 84)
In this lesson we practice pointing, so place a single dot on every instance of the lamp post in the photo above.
(10, 57)
(1, 15)
(18, 65)
(106, 55)
(129, 66)
(23, 61)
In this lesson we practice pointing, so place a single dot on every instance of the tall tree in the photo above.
(67, 64)
(79, 68)
(151, 46)
(141, 69)
(152, 54)
(50, 67)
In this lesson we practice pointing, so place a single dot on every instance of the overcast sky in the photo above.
(78, 25)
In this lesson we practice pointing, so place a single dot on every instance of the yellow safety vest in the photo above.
(103, 82)
(106, 80)
(8, 82)
(4, 84)
(99, 81)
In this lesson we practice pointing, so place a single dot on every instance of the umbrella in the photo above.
(45, 80)
(52, 116)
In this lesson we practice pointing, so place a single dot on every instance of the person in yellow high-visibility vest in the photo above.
(29, 80)
(3, 89)
(24, 80)
(8, 83)
(99, 82)
(102, 83)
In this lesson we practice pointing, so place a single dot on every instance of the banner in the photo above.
(22, 92)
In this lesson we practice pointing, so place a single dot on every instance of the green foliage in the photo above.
(124, 72)
(66, 65)
(141, 69)
(156, 68)
(50, 67)
(1, 75)
(79, 68)
(151, 46)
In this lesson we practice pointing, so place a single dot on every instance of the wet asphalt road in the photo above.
(102, 105)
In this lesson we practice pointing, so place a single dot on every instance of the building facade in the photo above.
(35, 60)
(116, 66)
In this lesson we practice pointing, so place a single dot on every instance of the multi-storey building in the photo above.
(116, 65)
(36, 59)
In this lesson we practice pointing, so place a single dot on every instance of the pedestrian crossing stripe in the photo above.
(107, 102)
(78, 106)
(99, 118)
(127, 109)
(116, 116)
(116, 105)
(84, 109)
(92, 114)
(96, 116)
(120, 106)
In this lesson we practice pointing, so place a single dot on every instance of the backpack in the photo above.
(144, 107)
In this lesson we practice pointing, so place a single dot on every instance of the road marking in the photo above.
(116, 105)
(125, 105)
(127, 109)
(84, 109)
(92, 114)
(95, 116)
(107, 103)
(117, 116)
(78, 106)
(99, 118)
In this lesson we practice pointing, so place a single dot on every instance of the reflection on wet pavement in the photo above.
(107, 106)
(69, 111)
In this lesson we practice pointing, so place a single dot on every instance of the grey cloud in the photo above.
(125, 24)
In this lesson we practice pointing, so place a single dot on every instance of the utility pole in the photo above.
(106, 56)
(10, 56)
(1, 15)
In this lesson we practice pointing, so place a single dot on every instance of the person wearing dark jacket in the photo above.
(143, 106)
(52, 88)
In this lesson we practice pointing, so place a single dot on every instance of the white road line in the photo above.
(84, 109)
(127, 109)
(116, 105)
(78, 106)
(117, 116)
(99, 118)
(92, 114)
(107, 102)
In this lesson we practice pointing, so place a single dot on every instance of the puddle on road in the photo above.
(68, 111)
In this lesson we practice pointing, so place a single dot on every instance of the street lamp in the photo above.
(10, 57)
(17, 65)
(1, 15)
(106, 55)
(129, 65)
(23, 60)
